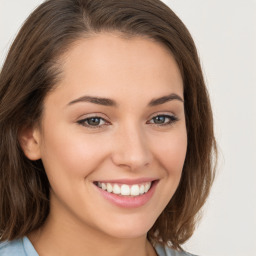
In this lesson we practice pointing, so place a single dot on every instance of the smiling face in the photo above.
(115, 122)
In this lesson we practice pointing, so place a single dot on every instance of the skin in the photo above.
(127, 143)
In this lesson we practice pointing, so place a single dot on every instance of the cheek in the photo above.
(171, 152)
(71, 155)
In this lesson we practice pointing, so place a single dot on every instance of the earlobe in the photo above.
(29, 139)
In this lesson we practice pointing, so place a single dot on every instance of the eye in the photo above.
(163, 120)
(93, 122)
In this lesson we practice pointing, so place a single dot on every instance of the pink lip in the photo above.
(128, 181)
(128, 201)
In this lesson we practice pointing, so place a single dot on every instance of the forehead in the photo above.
(107, 63)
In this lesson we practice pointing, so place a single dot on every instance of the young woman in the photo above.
(106, 132)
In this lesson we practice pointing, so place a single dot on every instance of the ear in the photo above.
(29, 138)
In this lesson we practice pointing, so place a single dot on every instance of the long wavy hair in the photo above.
(30, 71)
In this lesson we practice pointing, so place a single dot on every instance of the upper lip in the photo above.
(128, 181)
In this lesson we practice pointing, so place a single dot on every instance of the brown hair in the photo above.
(30, 72)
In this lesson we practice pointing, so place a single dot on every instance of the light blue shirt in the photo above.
(20, 247)
(23, 247)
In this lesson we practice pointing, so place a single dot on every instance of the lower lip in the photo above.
(129, 201)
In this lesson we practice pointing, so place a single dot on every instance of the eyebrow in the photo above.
(112, 103)
(165, 99)
(95, 100)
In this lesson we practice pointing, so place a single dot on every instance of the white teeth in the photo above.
(109, 188)
(147, 187)
(116, 189)
(142, 189)
(135, 190)
(124, 189)
(103, 186)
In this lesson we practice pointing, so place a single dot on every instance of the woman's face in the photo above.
(114, 124)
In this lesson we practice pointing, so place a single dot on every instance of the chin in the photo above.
(129, 229)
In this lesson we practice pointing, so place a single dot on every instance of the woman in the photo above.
(106, 132)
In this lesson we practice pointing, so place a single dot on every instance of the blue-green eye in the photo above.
(163, 120)
(93, 122)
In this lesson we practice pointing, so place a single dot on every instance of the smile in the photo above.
(127, 193)
(125, 189)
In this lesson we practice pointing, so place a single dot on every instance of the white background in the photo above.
(225, 34)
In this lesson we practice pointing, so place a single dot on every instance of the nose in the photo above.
(130, 148)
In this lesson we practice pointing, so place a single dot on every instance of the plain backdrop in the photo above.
(225, 34)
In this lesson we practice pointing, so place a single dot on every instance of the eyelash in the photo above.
(172, 119)
(84, 122)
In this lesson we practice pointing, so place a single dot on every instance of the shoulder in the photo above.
(166, 251)
(19, 247)
(12, 248)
